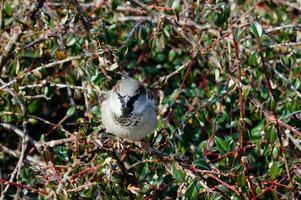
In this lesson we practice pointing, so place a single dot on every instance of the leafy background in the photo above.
(226, 75)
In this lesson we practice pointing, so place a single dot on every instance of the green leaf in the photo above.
(171, 55)
(274, 171)
(17, 67)
(70, 41)
(160, 57)
(96, 110)
(221, 144)
(143, 33)
(219, 19)
(70, 79)
(252, 60)
(272, 103)
(176, 5)
(177, 173)
(61, 153)
(256, 131)
(8, 8)
(192, 191)
(285, 61)
(33, 106)
(237, 34)
(256, 29)
(271, 135)
(31, 54)
(264, 92)
(115, 4)
(247, 121)
(25, 173)
(201, 164)
(87, 193)
(167, 31)
(95, 78)
(144, 172)
(241, 180)
(71, 111)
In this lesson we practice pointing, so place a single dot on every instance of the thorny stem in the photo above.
(278, 131)
(241, 100)
(23, 186)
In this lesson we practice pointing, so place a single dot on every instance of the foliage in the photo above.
(227, 78)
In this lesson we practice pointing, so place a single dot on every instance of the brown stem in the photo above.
(83, 16)
(278, 131)
(241, 100)
(23, 186)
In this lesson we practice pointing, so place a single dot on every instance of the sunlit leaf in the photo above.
(257, 29)
(274, 171)
(71, 111)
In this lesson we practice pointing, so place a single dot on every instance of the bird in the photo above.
(128, 110)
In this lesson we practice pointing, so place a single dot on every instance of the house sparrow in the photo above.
(128, 111)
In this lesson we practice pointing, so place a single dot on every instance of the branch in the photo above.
(276, 124)
(271, 118)
(20, 133)
(9, 47)
(82, 15)
(287, 44)
(158, 16)
(241, 98)
(281, 76)
(20, 30)
(23, 186)
(49, 65)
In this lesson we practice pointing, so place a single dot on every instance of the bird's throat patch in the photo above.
(127, 121)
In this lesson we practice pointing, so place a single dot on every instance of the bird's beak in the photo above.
(126, 100)
(127, 109)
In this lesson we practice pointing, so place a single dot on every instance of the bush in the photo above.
(227, 80)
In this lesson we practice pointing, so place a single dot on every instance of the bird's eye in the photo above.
(119, 95)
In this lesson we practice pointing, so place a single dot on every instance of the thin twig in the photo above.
(225, 184)
(183, 21)
(19, 31)
(9, 47)
(37, 118)
(21, 134)
(164, 79)
(53, 143)
(82, 187)
(23, 186)
(237, 64)
(41, 39)
(82, 14)
(271, 118)
(286, 81)
(270, 91)
(295, 5)
(60, 85)
(295, 141)
(287, 44)
(294, 26)
(158, 16)
(49, 65)
(63, 181)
